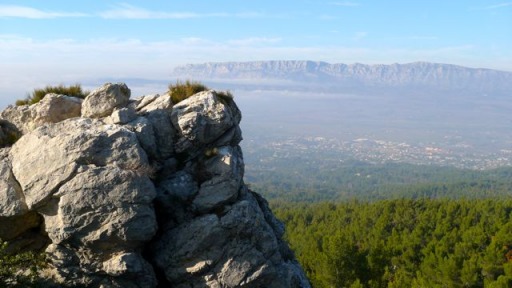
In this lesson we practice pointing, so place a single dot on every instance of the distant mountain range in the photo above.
(412, 75)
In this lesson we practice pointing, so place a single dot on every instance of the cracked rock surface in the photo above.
(141, 192)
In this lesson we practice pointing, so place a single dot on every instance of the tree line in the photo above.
(402, 242)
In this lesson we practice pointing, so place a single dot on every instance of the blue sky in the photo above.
(49, 42)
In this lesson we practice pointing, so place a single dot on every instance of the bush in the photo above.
(181, 91)
(225, 96)
(38, 94)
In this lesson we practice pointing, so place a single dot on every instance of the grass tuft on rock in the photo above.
(38, 94)
(180, 91)
(20, 269)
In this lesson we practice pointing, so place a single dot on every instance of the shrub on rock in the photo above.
(181, 91)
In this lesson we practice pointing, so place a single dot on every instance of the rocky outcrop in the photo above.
(139, 193)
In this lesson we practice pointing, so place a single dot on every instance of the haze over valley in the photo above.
(420, 113)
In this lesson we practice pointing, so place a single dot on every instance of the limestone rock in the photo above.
(107, 212)
(139, 188)
(143, 101)
(212, 251)
(52, 108)
(53, 154)
(145, 133)
(12, 200)
(201, 119)
(15, 218)
(123, 115)
(154, 102)
(137, 271)
(102, 101)
(125, 269)
(102, 208)
(19, 116)
(164, 132)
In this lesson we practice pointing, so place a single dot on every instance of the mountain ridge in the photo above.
(411, 75)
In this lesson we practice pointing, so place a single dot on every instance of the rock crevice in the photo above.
(139, 193)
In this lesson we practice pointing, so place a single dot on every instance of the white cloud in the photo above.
(121, 11)
(15, 11)
(127, 11)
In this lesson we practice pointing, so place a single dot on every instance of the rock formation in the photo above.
(138, 193)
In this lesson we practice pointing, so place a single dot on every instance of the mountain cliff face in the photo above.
(418, 74)
(138, 193)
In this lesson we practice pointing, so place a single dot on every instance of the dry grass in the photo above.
(38, 94)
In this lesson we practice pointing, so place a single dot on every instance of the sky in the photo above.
(52, 42)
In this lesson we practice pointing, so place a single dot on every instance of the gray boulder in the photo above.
(19, 116)
(52, 108)
(102, 209)
(201, 119)
(54, 153)
(102, 101)
(154, 102)
(123, 115)
(107, 213)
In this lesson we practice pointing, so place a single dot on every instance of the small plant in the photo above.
(181, 91)
(20, 269)
(38, 94)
